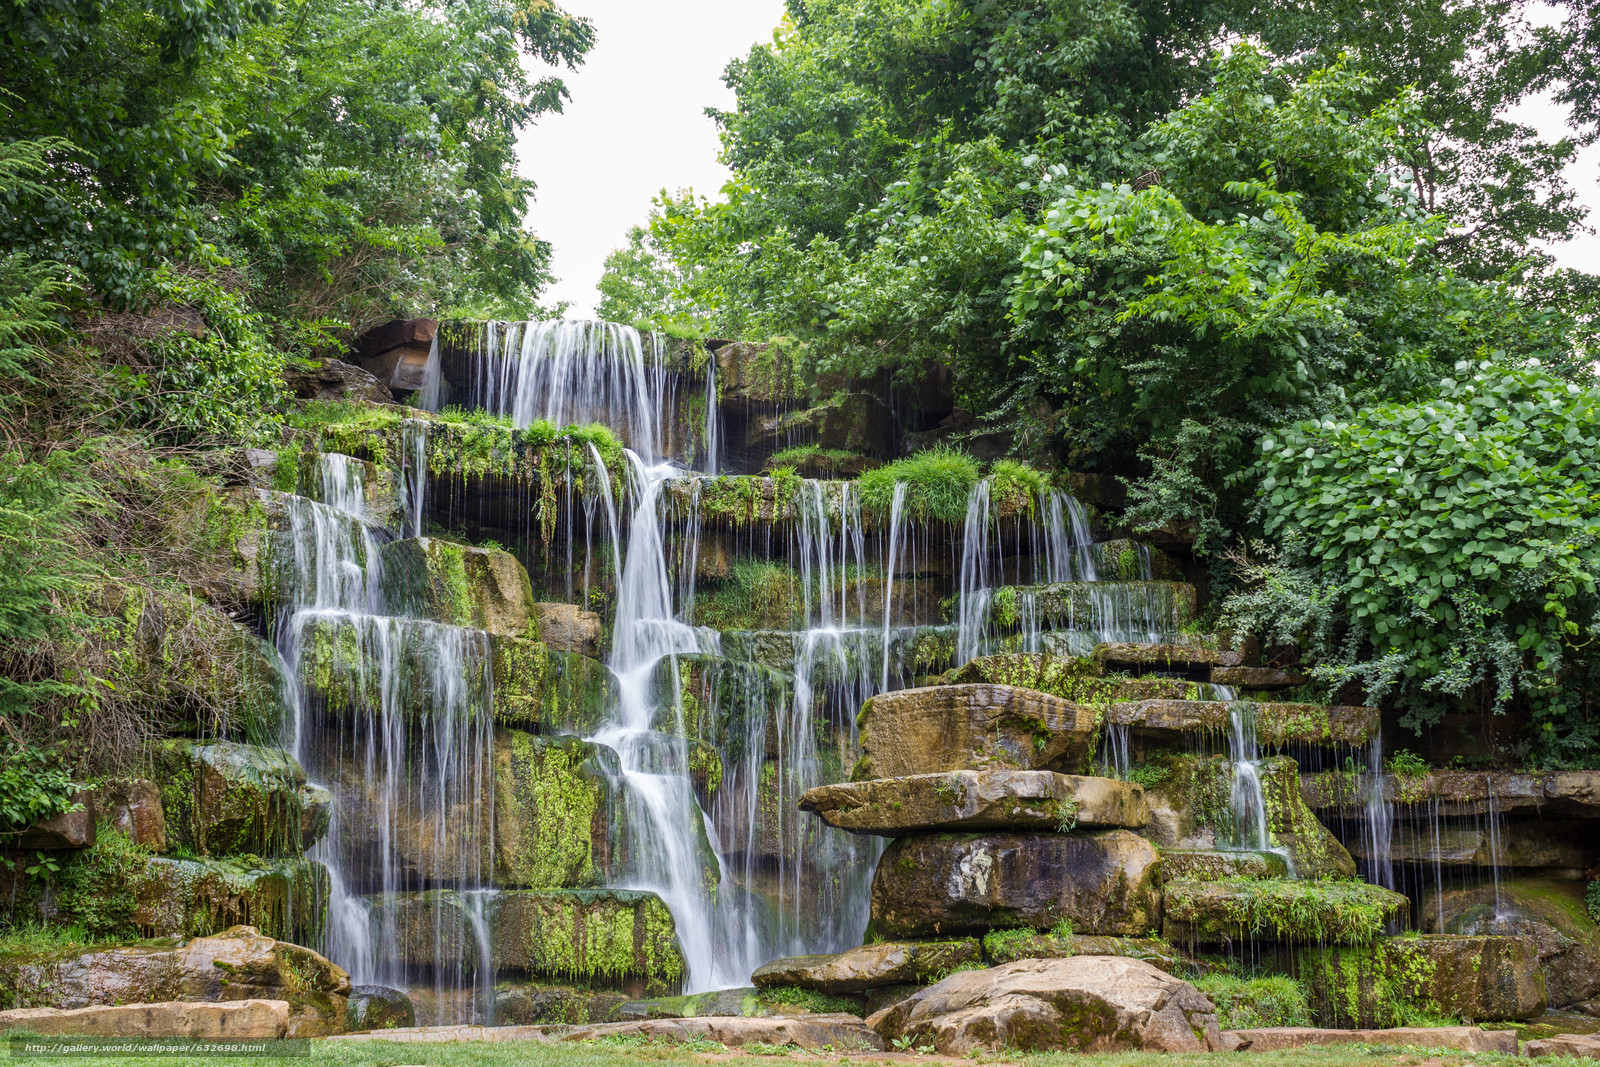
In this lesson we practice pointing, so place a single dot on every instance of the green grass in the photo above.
(808, 1001)
(937, 484)
(1247, 1003)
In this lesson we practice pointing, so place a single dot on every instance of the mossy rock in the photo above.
(376, 1007)
(229, 799)
(286, 899)
(480, 588)
(1008, 946)
(1277, 725)
(871, 966)
(1075, 678)
(556, 811)
(520, 1003)
(1162, 606)
(1235, 910)
(561, 692)
(1420, 980)
(1549, 911)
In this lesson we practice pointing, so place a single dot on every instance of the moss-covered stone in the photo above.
(1165, 606)
(287, 899)
(481, 588)
(1202, 866)
(532, 1004)
(1331, 912)
(856, 970)
(1008, 946)
(562, 692)
(555, 811)
(227, 799)
(1078, 679)
(1277, 725)
(376, 1007)
(1550, 911)
(1196, 653)
(994, 799)
(1417, 980)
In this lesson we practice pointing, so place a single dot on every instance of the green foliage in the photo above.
(1149, 775)
(1461, 540)
(34, 785)
(1406, 764)
(938, 482)
(1015, 487)
(807, 1001)
(756, 595)
(1246, 1003)
(99, 887)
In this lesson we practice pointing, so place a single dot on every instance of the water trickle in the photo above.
(1247, 803)
(431, 396)
(897, 533)
(1378, 824)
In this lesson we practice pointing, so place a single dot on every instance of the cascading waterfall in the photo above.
(1247, 803)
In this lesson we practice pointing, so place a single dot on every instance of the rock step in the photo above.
(836, 1032)
(1201, 653)
(1519, 794)
(997, 799)
(1008, 946)
(1277, 724)
(237, 1020)
(1571, 846)
(1258, 678)
(1486, 979)
(1195, 865)
(1461, 1038)
(1328, 912)
(1578, 1046)
(1117, 607)
(1075, 678)
(870, 966)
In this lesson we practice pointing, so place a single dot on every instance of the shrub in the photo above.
(938, 483)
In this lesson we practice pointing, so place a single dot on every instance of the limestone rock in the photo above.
(871, 966)
(228, 798)
(237, 965)
(1100, 605)
(481, 588)
(376, 1007)
(285, 898)
(555, 811)
(1578, 1046)
(1256, 678)
(332, 379)
(756, 371)
(1200, 654)
(1276, 724)
(1384, 983)
(1071, 678)
(970, 727)
(1445, 794)
(133, 805)
(566, 628)
(563, 692)
(841, 1033)
(532, 1004)
(1083, 1003)
(1201, 866)
(1549, 911)
(993, 799)
(1461, 1038)
(240, 1020)
(1347, 913)
(69, 830)
(400, 368)
(941, 884)
(1565, 846)
(1008, 946)
(742, 1003)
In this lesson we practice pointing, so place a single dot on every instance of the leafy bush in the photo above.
(1460, 535)
(938, 482)
(34, 785)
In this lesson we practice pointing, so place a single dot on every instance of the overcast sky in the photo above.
(636, 124)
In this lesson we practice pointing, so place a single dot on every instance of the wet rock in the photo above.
(1435, 794)
(286, 899)
(729, 1003)
(1189, 810)
(839, 1033)
(1395, 978)
(1196, 866)
(1267, 678)
(871, 966)
(1549, 911)
(1565, 846)
(970, 727)
(71, 829)
(1084, 1003)
(556, 811)
(1008, 946)
(566, 628)
(756, 371)
(1276, 724)
(133, 806)
(376, 1007)
(1073, 678)
(942, 884)
(1462, 1038)
(227, 798)
(530, 1004)
(1093, 605)
(238, 965)
(244, 1020)
(332, 379)
(1199, 654)
(1127, 560)
(599, 936)
(995, 799)
(481, 588)
(1279, 910)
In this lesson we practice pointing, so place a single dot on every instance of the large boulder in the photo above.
(563, 692)
(482, 588)
(376, 1007)
(133, 806)
(936, 885)
(556, 811)
(70, 829)
(239, 964)
(286, 898)
(1332, 912)
(1008, 946)
(228, 798)
(524, 1003)
(1485, 979)
(1083, 1003)
(244, 1020)
(971, 727)
(872, 966)
(1277, 724)
(1460, 1038)
(993, 799)
(333, 379)
(1550, 912)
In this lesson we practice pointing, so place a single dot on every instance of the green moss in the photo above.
(792, 1000)
(756, 595)
(1591, 899)
(1330, 912)
(549, 806)
(1014, 487)
(1248, 1003)
(598, 936)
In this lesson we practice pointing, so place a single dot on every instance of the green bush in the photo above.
(1247, 1003)
(938, 482)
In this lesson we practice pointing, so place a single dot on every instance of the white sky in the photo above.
(636, 125)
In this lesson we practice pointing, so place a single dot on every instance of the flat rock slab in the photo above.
(936, 885)
(1277, 723)
(1201, 866)
(1332, 912)
(1008, 946)
(971, 727)
(1200, 655)
(1085, 1003)
(1256, 677)
(1578, 1046)
(843, 1032)
(995, 799)
(1436, 794)
(236, 1020)
(872, 966)
(1461, 1038)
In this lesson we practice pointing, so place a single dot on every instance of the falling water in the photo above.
(976, 593)
(1378, 824)
(1246, 801)
(896, 535)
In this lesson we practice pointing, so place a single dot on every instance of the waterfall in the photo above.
(1378, 825)
(976, 594)
(1247, 803)
(896, 535)
(430, 397)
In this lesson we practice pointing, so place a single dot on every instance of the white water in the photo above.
(1246, 801)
